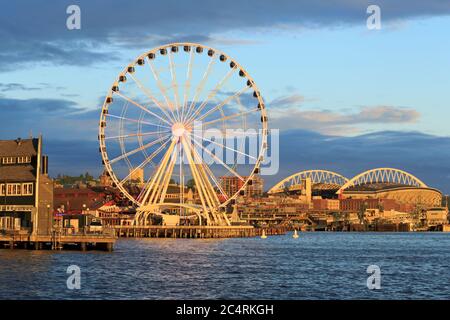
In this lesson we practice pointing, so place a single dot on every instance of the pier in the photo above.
(194, 232)
(63, 240)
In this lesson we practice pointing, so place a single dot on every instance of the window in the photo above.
(24, 159)
(8, 160)
(27, 189)
(13, 189)
(17, 189)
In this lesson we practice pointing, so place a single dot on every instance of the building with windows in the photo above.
(26, 191)
(232, 184)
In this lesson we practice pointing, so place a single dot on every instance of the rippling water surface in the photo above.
(314, 266)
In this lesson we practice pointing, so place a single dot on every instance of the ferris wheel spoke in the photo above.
(181, 171)
(161, 87)
(187, 85)
(226, 147)
(211, 174)
(145, 162)
(148, 145)
(162, 192)
(201, 179)
(212, 94)
(137, 121)
(220, 161)
(200, 87)
(174, 85)
(143, 134)
(195, 175)
(142, 107)
(224, 102)
(154, 185)
(149, 94)
(232, 116)
(139, 138)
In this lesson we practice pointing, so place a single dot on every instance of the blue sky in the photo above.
(320, 70)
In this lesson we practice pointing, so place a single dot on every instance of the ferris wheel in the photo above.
(188, 124)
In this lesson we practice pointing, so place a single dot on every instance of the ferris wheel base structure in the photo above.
(191, 213)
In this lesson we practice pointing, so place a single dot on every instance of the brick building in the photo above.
(232, 184)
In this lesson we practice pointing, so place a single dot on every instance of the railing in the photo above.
(87, 231)
(15, 232)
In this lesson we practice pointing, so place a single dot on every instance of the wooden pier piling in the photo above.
(193, 232)
(56, 241)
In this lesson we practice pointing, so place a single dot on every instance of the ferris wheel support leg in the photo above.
(154, 183)
(162, 174)
(158, 175)
(162, 193)
(137, 218)
(227, 221)
(197, 179)
(210, 193)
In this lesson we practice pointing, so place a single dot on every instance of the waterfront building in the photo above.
(437, 216)
(255, 188)
(105, 179)
(271, 209)
(74, 200)
(26, 191)
(232, 184)
(325, 204)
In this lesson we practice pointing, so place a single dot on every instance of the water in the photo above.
(314, 266)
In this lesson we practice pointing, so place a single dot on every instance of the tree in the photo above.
(190, 183)
(88, 177)
(362, 212)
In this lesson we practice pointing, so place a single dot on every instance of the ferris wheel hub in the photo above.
(178, 129)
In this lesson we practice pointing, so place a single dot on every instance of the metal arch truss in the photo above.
(383, 175)
(170, 115)
(294, 181)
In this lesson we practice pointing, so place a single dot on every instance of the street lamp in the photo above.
(49, 220)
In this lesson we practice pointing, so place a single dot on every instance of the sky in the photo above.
(345, 98)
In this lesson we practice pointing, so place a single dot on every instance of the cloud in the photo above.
(5, 87)
(37, 106)
(284, 113)
(15, 53)
(14, 86)
(33, 31)
(288, 101)
(60, 118)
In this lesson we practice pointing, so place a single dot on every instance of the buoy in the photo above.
(295, 235)
(263, 235)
